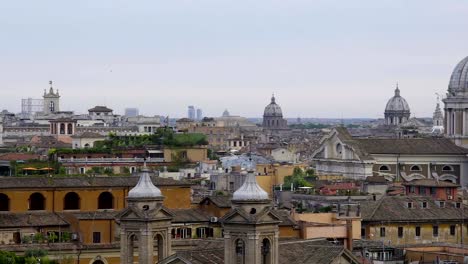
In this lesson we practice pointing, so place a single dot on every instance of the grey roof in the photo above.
(395, 208)
(32, 219)
(250, 190)
(81, 182)
(189, 216)
(459, 78)
(145, 187)
(219, 200)
(317, 251)
(100, 108)
(410, 146)
(431, 183)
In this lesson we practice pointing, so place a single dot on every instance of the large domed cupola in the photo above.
(273, 116)
(397, 110)
(456, 105)
(458, 85)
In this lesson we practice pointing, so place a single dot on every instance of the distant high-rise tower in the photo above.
(51, 101)
(191, 112)
(131, 112)
(199, 114)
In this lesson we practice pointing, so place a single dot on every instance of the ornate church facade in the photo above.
(456, 105)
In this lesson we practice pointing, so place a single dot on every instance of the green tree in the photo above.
(297, 179)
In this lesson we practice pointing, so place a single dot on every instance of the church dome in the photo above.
(145, 187)
(250, 190)
(273, 109)
(459, 78)
(397, 103)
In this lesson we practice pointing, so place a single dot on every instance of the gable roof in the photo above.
(317, 251)
(395, 208)
(81, 182)
(31, 219)
(410, 146)
(430, 183)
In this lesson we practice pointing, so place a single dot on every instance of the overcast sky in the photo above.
(320, 58)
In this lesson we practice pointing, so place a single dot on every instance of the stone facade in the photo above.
(51, 101)
(456, 105)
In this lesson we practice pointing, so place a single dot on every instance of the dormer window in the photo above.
(415, 168)
(384, 168)
(424, 205)
(458, 205)
(441, 204)
(409, 204)
(447, 168)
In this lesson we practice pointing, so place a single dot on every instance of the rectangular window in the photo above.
(400, 231)
(424, 204)
(96, 237)
(441, 204)
(363, 233)
(382, 232)
(452, 230)
(412, 189)
(433, 191)
(410, 205)
(448, 191)
(435, 231)
(422, 190)
(418, 231)
(458, 205)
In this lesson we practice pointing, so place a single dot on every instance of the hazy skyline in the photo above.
(321, 58)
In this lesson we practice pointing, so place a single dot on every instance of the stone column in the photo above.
(145, 247)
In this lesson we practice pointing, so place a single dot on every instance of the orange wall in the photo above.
(289, 232)
(175, 197)
(105, 227)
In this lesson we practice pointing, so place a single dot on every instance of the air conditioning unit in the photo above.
(450, 197)
(214, 219)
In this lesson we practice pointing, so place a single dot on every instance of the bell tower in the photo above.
(51, 100)
(251, 227)
(145, 224)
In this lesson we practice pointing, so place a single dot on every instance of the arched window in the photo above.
(384, 168)
(415, 168)
(4, 202)
(98, 262)
(447, 168)
(62, 129)
(266, 251)
(71, 201)
(70, 129)
(106, 201)
(131, 243)
(159, 246)
(240, 251)
(36, 201)
(339, 149)
(52, 106)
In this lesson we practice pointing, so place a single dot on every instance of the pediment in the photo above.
(132, 213)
